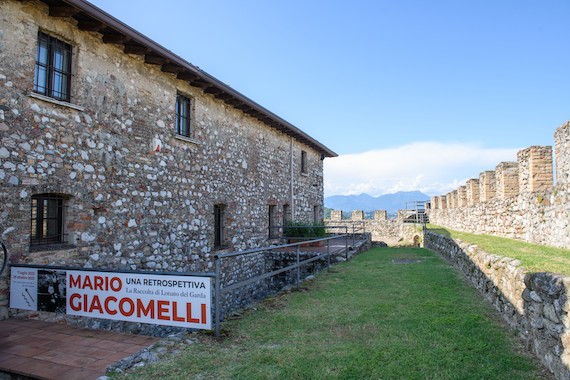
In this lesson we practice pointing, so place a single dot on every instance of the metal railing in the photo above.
(283, 232)
(415, 212)
(221, 290)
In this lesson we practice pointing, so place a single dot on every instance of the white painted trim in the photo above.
(55, 101)
(187, 139)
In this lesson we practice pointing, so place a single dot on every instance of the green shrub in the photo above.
(304, 230)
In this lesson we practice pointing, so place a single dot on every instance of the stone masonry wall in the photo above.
(392, 232)
(128, 206)
(518, 200)
(536, 305)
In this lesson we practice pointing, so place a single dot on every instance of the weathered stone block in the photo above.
(507, 180)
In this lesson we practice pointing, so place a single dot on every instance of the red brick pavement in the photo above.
(46, 350)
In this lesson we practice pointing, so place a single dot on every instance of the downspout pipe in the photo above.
(291, 188)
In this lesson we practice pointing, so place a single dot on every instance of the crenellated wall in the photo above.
(518, 199)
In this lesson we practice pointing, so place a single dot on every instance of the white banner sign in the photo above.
(158, 299)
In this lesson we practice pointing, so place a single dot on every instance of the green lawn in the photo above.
(534, 257)
(390, 313)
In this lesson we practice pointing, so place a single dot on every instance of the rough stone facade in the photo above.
(535, 304)
(392, 232)
(127, 205)
(518, 200)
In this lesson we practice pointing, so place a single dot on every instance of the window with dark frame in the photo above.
(271, 215)
(47, 219)
(183, 108)
(219, 211)
(303, 161)
(52, 75)
(286, 214)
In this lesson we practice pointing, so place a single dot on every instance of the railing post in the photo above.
(217, 308)
(298, 267)
(328, 255)
(346, 242)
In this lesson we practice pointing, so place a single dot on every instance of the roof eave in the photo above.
(114, 31)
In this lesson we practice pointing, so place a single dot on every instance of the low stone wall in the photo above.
(393, 232)
(535, 304)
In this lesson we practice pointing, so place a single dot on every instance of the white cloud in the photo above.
(431, 167)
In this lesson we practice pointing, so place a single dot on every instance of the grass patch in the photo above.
(534, 257)
(375, 317)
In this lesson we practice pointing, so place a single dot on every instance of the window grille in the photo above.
(47, 219)
(219, 225)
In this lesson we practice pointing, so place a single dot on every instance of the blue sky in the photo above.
(467, 82)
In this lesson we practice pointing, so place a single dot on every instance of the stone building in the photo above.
(116, 153)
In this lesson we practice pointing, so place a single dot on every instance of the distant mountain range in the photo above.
(389, 202)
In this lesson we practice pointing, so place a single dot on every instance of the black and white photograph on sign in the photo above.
(51, 290)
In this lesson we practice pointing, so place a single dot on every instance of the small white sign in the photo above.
(24, 288)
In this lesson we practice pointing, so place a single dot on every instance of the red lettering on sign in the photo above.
(107, 308)
(163, 310)
(102, 283)
(95, 304)
(75, 306)
(175, 316)
(147, 311)
(189, 314)
(122, 303)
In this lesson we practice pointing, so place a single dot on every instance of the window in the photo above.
(286, 214)
(52, 76)
(316, 215)
(271, 215)
(183, 116)
(303, 161)
(219, 225)
(47, 219)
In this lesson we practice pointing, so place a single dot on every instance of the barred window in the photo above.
(183, 115)
(303, 161)
(52, 75)
(271, 216)
(47, 219)
(219, 221)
